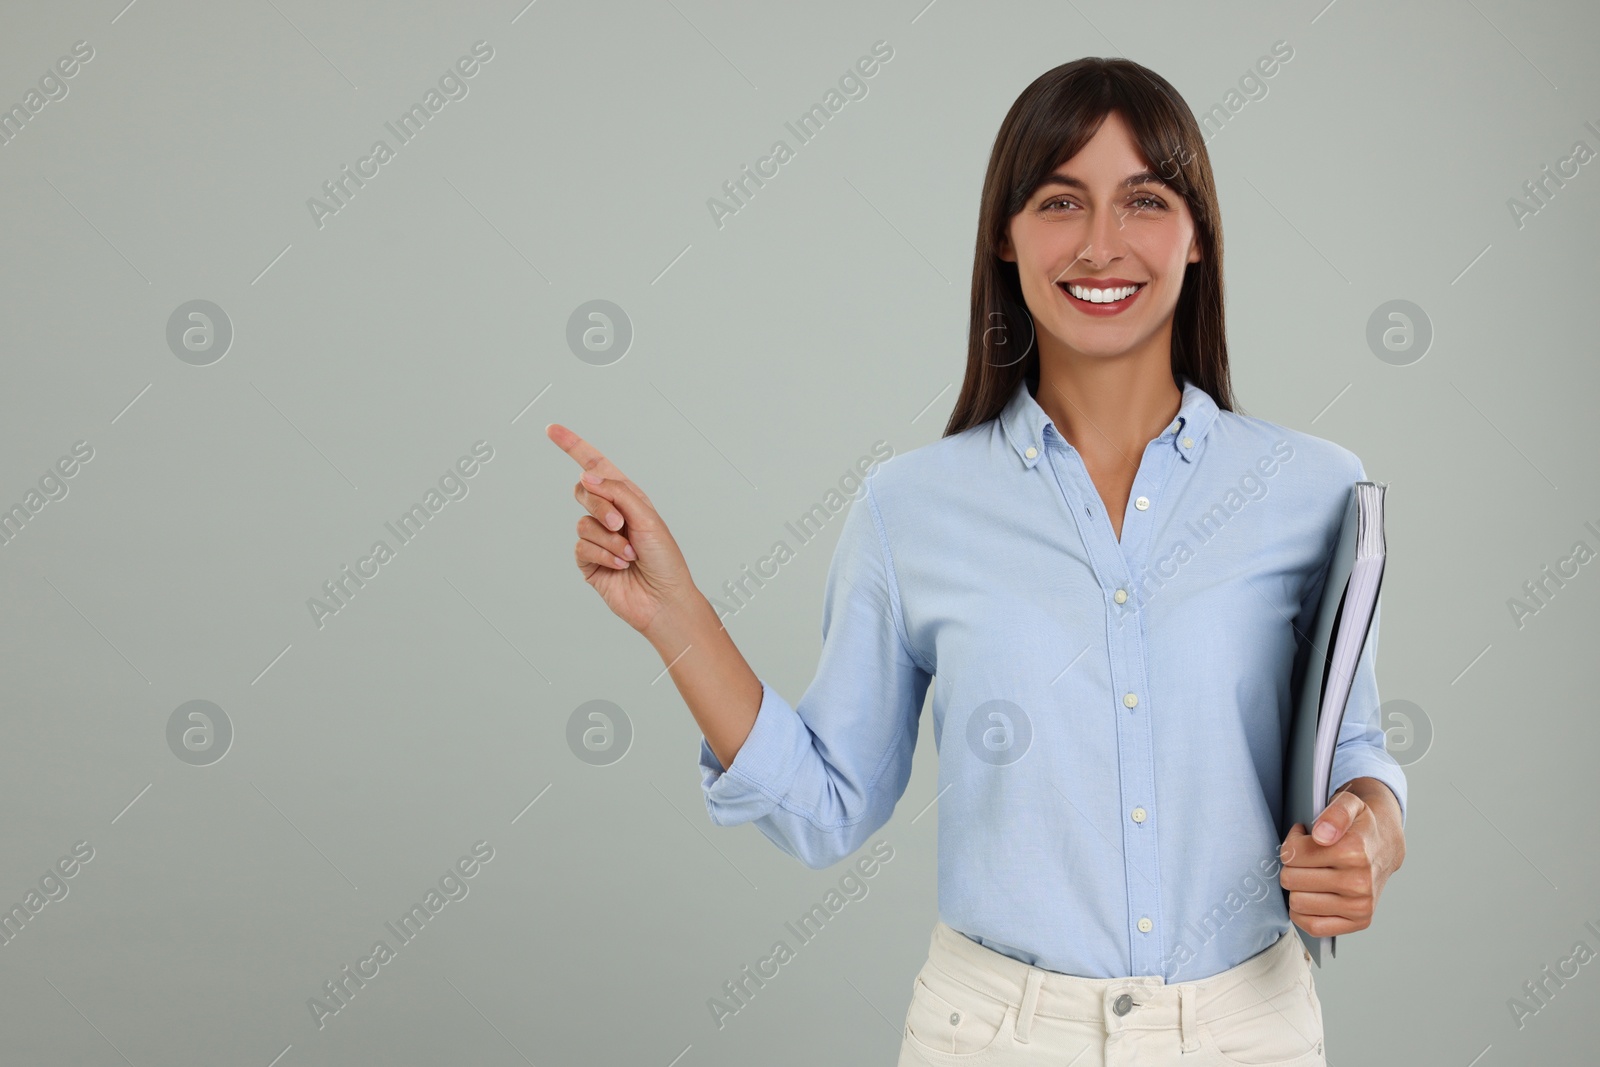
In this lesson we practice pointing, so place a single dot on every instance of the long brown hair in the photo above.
(1047, 125)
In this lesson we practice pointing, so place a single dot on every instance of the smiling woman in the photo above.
(1063, 240)
(1108, 761)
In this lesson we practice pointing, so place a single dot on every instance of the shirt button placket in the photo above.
(1123, 556)
(1138, 830)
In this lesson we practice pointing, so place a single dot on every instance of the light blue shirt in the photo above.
(1110, 715)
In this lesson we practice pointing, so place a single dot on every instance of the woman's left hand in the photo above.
(1334, 884)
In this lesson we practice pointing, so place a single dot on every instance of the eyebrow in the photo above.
(1144, 177)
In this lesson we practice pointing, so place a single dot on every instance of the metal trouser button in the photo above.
(1122, 1005)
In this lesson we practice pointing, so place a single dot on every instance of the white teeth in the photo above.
(1102, 296)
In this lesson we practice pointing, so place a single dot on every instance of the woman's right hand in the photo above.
(637, 567)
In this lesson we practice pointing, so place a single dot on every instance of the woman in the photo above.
(1113, 681)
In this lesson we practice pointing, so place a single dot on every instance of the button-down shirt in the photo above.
(1110, 713)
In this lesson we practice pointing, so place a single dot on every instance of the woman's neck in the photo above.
(1108, 409)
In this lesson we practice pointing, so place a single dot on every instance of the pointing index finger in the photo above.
(590, 458)
(587, 456)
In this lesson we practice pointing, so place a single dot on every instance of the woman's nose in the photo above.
(1105, 235)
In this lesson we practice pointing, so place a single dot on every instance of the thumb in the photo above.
(1340, 814)
(636, 511)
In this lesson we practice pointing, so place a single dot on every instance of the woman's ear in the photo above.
(1006, 252)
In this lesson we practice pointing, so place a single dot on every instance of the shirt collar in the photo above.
(1026, 425)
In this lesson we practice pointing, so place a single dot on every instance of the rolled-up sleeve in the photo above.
(1360, 751)
(821, 776)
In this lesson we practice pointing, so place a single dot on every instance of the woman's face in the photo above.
(1085, 225)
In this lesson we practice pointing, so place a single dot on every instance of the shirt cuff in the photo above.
(763, 768)
(1369, 764)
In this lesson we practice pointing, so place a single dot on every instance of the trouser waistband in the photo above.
(1143, 1002)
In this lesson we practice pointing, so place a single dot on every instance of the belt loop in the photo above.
(1030, 1000)
(1186, 1018)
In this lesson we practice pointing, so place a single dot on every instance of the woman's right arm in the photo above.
(722, 692)
(816, 778)
(639, 571)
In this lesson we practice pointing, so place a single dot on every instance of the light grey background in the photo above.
(768, 355)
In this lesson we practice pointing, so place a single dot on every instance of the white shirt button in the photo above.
(1138, 814)
(1145, 925)
(1031, 452)
(1120, 596)
(1130, 699)
(1188, 442)
(1143, 503)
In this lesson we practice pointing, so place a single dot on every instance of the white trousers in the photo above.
(973, 1006)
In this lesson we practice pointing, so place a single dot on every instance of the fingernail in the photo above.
(592, 478)
(620, 561)
(627, 550)
(614, 521)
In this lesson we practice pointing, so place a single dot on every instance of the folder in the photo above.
(1325, 666)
